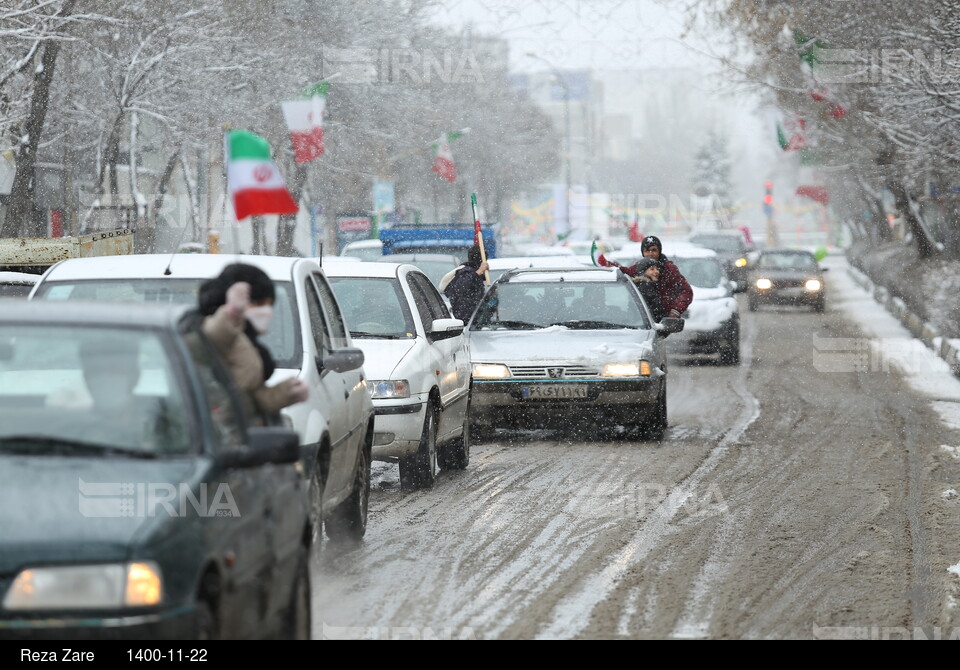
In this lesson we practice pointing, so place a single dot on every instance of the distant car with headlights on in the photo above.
(733, 250)
(137, 500)
(712, 321)
(786, 277)
(561, 347)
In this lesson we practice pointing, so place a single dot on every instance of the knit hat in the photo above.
(644, 264)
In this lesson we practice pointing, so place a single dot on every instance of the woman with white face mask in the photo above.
(238, 306)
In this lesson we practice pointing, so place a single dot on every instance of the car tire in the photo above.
(820, 306)
(348, 522)
(455, 454)
(420, 470)
(656, 425)
(730, 350)
(297, 621)
(752, 304)
(207, 621)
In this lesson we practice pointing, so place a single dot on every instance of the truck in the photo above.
(34, 255)
(437, 238)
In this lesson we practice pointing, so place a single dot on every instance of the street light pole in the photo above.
(567, 140)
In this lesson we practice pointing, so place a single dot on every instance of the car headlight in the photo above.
(740, 262)
(384, 389)
(107, 586)
(764, 283)
(812, 285)
(490, 371)
(640, 369)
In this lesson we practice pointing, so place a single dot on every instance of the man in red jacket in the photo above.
(675, 292)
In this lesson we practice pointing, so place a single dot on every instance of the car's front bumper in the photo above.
(176, 623)
(397, 428)
(494, 402)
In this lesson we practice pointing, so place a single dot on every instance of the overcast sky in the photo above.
(585, 34)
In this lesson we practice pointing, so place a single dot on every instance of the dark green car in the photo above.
(135, 499)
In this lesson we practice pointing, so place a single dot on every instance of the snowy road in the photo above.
(791, 498)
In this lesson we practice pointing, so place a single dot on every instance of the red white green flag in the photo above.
(443, 158)
(305, 121)
(253, 180)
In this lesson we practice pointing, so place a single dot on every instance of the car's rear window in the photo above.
(578, 305)
(283, 338)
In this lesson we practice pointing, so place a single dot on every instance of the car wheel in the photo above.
(656, 425)
(207, 621)
(455, 455)
(730, 351)
(420, 470)
(820, 306)
(316, 508)
(296, 625)
(752, 304)
(349, 520)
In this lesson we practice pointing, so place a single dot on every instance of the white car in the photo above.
(712, 321)
(365, 250)
(307, 339)
(16, 284)
(417, 363)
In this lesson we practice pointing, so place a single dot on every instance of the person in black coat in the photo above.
(467, 287)
(646, 278)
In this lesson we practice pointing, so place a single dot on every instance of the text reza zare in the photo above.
(67, 655)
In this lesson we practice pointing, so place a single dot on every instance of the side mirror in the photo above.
(342, 360)
(669, 325)
(443, 328)
(265, 445)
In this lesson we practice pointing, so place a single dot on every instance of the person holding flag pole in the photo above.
(478, 236)
(466, 285)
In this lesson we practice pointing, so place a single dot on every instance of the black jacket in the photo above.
(465, 292)
(649, 290)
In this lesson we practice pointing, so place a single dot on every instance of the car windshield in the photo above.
(282, 340)
(719, 243)
(90, 391)
(15, 290)
(374, 307)
(577, 305)
(804, 262)
(700, 272)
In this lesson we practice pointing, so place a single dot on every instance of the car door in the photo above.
(358, 408)
(334, 393)
(448, 355)
(247, 536)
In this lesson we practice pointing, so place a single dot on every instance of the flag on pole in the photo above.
(443, 158)
(305, 121)
(253, 180)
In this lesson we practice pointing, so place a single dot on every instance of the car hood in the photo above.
(557, 344)
(700, 293)
(381, 357)
(78, 509)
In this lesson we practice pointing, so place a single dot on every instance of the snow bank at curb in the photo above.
(946, 348)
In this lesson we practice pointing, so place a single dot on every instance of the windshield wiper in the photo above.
(375, 336)
(512, 325)
(588, 324)
(58, 446)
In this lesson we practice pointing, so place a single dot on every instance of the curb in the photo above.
(946, 348)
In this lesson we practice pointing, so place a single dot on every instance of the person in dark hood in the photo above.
(647, 281)
(237, 307)
(466, 287)
(674, 290)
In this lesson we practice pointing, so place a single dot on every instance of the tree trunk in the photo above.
(926, 245)
(22, 218)
(288, 222)
(147, 240)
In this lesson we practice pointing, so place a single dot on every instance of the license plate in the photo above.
(552, 391)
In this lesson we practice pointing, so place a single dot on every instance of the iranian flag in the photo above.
(305, 121)
(443, 157)
(254, 182)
